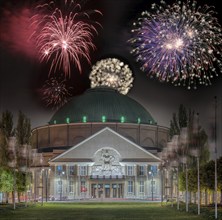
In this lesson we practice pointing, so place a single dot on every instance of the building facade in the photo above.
(100, 145)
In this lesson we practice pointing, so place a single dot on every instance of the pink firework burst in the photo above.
(65, 35)
(55, 92)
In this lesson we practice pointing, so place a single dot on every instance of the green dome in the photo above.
(102, 105)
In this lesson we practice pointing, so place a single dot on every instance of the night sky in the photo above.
(22, 75)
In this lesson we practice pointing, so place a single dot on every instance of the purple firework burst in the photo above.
(179, 43)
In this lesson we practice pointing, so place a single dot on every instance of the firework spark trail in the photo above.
(179, 43)
(55, 92)
(64, 37)
(113, 73)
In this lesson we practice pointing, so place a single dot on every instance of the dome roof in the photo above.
(102, 105)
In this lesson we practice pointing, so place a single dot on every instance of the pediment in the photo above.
(106, 139)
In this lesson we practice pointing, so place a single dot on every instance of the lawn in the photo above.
(96, 211)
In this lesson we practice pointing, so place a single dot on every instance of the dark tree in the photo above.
(23, 129)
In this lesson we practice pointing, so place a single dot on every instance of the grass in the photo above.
(95, 211)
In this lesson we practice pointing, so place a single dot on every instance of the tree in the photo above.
(4, 154)
(23, 129)
(23, 134)
(7, 124)
(196, 135)
(6, 181)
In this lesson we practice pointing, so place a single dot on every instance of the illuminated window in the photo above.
(142, 186)
(59, 186)
(130, 186)
(122, 119)
(103, 118)
(138, 120)
(84, 119)
(59, 169)
(83, 170)
(130, 170)
(83, 186)
(71, 170)
(71, 186)
(67, 120)
(141, 170)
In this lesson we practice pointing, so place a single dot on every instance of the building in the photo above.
(101, 144)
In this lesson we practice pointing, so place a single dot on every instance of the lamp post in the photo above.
(46, 184)
(215, 138)
(195, 153)
(184, 161)
(175, 166)
(42, 171)
(151, 173)
(60, 177)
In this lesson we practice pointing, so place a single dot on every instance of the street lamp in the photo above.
(215, 151)
(151, 173)
(175, 166)
(60, 185)
(46, 184)
(195, 153)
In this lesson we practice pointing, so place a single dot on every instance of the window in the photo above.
(130, 186)
(71, 170)
(122, 119)
(83, 170)
(84, 119)
(59, 169)
(103, 118)
(141, 170)
(59, 186)
(83, 186)
(154, 170)
(141, 186)
(130, 170)
(71, 186)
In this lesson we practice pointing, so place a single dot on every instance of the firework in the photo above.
(111, 72)
(16, 31)
(65, 35)
(55, 92)
(179, 43)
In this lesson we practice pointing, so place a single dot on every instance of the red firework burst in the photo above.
(65, 36)
(55, 92)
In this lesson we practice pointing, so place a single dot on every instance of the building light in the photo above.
(54, 121)
(67, 120)
(103, 118)
(122, 119)
(84, 119)
(138, 120)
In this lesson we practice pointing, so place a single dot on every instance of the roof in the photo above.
(85, 150)
(102, 105)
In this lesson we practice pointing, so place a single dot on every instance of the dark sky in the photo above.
(21, 75)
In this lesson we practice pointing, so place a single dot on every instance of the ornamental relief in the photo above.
(107, 163)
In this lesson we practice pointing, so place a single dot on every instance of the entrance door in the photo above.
(117, 190)
(107, 190)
